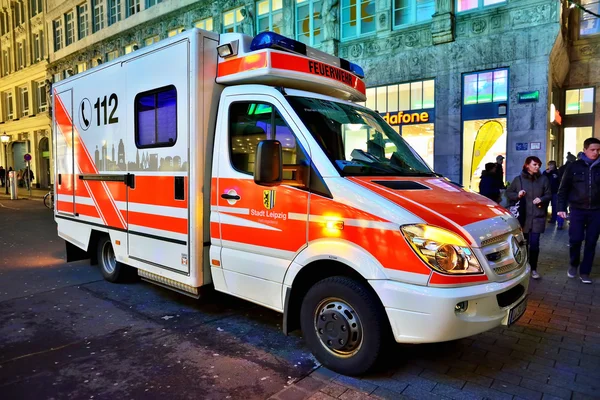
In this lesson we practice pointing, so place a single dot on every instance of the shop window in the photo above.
(156, 118)
(579, 101)
(574, 138)
(206, 24)
(588, 23)
(308, 22)
(82, 20)
(232, 20)
(467, 5)
(409, 109)
(408, 12)
(250, 123)
(358, 18)
(269, 16)
(486, 87)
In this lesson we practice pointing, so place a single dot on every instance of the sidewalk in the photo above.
(552, 352)
(23, 193)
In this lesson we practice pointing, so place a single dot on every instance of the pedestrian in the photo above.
(534, 189)
(488, 185)
(554, 178)
(2, 175)
(580, 190)
(499, 174)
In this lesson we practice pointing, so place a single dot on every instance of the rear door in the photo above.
(64, 181)
(157, 153)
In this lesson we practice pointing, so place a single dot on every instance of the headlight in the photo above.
(442, 250)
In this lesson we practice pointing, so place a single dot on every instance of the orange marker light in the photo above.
(118, 242)
(216, 263)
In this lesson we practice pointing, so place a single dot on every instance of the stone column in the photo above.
(331, 26)
(288, 22)
(442, 24)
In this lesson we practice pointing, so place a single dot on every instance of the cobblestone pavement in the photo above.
(552, 352)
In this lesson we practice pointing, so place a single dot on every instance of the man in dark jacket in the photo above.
(554, 178)
(580, 189)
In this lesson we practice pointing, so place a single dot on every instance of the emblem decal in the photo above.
(269, 199)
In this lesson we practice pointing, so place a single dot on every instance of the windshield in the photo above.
(357, 140)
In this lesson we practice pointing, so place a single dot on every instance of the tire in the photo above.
(49, 201)
(112, 270)
(340, 308)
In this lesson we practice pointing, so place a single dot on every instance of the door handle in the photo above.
(227, 196)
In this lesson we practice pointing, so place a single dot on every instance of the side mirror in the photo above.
(268, 167)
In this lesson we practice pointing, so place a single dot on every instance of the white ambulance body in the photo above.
(244, 163)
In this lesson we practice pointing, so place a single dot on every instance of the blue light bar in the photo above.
(270, 40)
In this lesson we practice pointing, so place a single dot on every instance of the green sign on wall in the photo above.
(529, 97)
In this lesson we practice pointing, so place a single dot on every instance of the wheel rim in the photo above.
(338, 327)
(109, 262)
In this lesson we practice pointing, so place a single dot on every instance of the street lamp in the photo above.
(5, 139)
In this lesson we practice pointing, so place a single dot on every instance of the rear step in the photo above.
(169, 283)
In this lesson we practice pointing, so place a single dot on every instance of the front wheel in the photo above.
(344, 325)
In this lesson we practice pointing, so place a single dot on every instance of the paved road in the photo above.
(66, 333)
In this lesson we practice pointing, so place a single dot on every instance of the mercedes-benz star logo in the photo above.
(517, 251)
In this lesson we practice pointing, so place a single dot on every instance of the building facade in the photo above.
(463, 81)
(24, 117)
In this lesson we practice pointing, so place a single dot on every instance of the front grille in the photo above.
(495, 239)
(505, 269)
(507, 298)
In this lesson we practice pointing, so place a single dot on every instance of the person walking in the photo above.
(533, 188)
(499, 173)
(580, 190)
(2, 175)
(488, 185)
(554, 178)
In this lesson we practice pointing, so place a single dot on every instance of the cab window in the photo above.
(251, 122)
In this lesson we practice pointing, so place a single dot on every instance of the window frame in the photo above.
(480, 6)
(492, 71)
(268, 15)
(359, 18)
(132, 7)
(114, 11)
(83, 21)
(582, 13)
(6, 61)
(413, 7)
(21, 55)
(40, 86)
(203, 22)
(9, 106)
(311, 21)
(579, 102)
(236, 24)
(97, 14)
(24, 101)
(71, 23)
(155, 92)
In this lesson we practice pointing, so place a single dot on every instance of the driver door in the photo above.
(262, 228)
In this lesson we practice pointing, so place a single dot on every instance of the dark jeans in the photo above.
(555, 217)
(533, 248)
(584, 224)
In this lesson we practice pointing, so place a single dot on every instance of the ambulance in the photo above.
(245, 163)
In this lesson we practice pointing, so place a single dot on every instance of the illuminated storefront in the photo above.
(410, 109)
(578, 120)
(484, 121)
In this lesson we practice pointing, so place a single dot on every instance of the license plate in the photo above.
(517, 311)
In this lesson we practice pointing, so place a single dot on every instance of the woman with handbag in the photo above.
(530, 192)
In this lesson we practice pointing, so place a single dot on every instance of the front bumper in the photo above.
(421, 314)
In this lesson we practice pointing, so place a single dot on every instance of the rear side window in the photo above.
(156, 118)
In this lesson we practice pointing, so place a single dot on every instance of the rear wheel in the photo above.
(344, 325)
(49, 200)
(112, 270)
